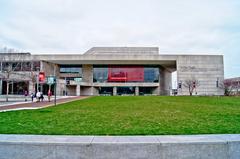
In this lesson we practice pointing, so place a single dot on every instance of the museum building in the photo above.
(111, 71)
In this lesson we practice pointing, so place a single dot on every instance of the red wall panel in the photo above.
(125, 73)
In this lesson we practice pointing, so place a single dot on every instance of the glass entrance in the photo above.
(126, 90)
(106, 91)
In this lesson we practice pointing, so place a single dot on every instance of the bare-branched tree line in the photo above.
(230, 87)
(11, 62)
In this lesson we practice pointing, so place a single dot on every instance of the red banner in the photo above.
(125, 74)
(41, 77)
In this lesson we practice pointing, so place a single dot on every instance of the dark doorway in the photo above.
(146, 90)
(107, 91)
(125, 90)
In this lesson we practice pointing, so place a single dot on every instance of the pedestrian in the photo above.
(49, 95)
(32, 96)
(41, 96)
(38, 95)
(25, 94)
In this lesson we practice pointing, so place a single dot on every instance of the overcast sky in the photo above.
(74, 26)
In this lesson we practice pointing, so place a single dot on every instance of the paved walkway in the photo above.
(38, 105)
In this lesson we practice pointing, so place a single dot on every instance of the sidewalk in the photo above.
(38, 105)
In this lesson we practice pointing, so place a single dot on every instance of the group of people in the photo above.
(39, 96)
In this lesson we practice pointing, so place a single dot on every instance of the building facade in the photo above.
(112, 71)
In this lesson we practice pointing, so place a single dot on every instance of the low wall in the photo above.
(106, 147)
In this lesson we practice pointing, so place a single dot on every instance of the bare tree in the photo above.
(10, 62)
(230, 87)
(4, 49)
(33, 78)
(227, 87)
(191, 85)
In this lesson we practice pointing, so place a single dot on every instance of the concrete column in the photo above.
(87, 73)
(156, 91)
(31, 87)
(114, 91)
(78, 90)
(165, 81)
(95, 91)
(136, 91)
(0, 87)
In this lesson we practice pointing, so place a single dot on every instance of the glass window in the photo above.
(145, 90)
(151, 74)
(71, 69)
(36, 66)
(6, 66)
(125, 90)
(125, 73)
(26, 66)
(100, 74)
(107, 91)
(17, 66)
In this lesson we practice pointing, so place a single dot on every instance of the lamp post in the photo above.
(55, 86)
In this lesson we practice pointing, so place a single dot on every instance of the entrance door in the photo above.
(106, 91)
(126, 90)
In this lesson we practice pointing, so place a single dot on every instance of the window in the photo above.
(100, 74)
(71, 69)
(151, 74)
(26, 66)
(16, 66)
(125, 73)
(6, 66)
(36, 66)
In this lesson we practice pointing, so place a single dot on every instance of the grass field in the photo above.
(150, 115)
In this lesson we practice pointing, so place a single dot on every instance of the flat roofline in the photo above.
(193, 54)
(165, 54)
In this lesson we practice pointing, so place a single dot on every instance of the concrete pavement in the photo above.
(38, 105)
(124, 147)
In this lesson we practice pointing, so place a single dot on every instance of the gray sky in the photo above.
(74, 26)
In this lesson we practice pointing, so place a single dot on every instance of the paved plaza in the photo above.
(36, 105)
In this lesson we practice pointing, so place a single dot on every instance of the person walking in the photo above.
(32, 96)
(49, 95)
(38, 95)
(41, 96)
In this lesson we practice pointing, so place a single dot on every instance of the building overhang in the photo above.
(166, 61)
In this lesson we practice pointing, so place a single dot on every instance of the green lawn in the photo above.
(150, 115)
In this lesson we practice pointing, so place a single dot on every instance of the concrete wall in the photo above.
(112, 147)
(206, 69)
(165, 81)
(71, 90)
(87, 73)
(86, 90)
(48, 68)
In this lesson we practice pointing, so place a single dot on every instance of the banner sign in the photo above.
(125, 74)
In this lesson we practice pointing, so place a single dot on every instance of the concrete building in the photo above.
(114, 71)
